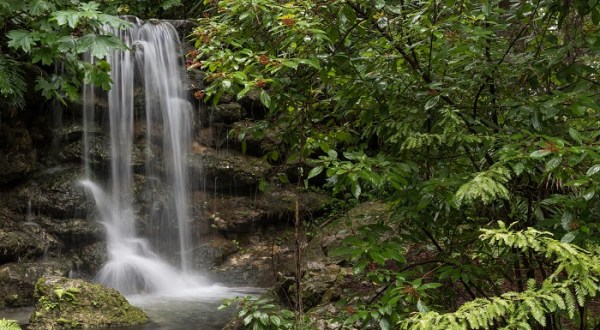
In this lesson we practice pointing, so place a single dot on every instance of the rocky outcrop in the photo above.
(258, 262)
(66, 303)
(325, 278)
(19, 239)
(275, 207)
(17, 280)
(54, 192)
(227, 170)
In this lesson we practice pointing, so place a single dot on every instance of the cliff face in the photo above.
(48, 225)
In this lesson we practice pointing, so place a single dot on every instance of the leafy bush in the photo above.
(262, 314)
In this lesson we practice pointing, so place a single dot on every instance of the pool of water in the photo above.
(194, 309)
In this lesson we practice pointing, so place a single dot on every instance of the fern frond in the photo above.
(486, 186)
(12, 83)
(574, 280)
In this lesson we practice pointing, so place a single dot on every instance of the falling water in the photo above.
(153, 64)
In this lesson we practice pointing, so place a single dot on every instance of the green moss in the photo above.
(69, 303)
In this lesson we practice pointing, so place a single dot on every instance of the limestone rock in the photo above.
(72, 303)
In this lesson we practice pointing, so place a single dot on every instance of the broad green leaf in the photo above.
(265, 99)
(356, 190)
(593, 170)
(432, 102)
(67, 17)
(20, 39)
(539, 153)
(314, 172)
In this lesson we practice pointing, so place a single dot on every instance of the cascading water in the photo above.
(152, 64)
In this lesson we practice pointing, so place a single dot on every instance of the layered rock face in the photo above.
(48, 225)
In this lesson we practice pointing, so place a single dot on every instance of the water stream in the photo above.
(153, 270)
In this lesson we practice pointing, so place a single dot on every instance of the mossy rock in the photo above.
(72, 303)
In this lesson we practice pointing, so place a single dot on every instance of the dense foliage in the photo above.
(43, 41)
(461, 114)
(478, 121)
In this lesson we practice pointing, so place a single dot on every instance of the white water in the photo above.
(134, 264)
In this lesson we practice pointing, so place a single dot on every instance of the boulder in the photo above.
(74, 303)
(17, 280)
(257, 262)
(89, 259)
(214, 251)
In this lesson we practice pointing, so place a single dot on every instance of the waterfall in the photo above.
(135, 263)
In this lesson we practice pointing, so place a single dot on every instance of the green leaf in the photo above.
(226, 84)
(384, 324)
(539, 153)
(432, 102)
(290, 63)
(264, 318)
(575, 135)
(102, 45)
(313, 62)
(265, 99)
(314, 172)
(68, 17)
(275, 320)
(593, 170)
(20, 39)
(356, 190)
(553, 163)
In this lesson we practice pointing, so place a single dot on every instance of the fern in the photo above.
(12, 83)
(574, 279)
(9, 325)
(486, 186)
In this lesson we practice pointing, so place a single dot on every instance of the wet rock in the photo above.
(74, 303)
(17, 280)
(54, 192)
(74, 232)
(19, 239)
(15, 165)
(213, 252)
(321, 284)
(246, 214)
(17, 244)
(253, 108)
(227, 113)
(89, 259)
(184, 27)
(226, 170)
(17, 157)
(70, 148)
(260, 141)
(256, 263)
